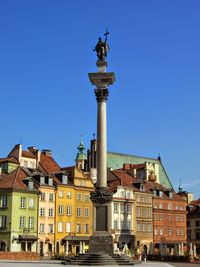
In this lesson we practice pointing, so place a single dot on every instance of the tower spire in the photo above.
(81, 155)
(180, 188)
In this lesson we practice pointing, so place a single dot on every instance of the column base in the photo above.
(101, 243)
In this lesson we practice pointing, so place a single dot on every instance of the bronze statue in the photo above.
(102, 47)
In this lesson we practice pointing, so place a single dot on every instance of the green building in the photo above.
(18, 208)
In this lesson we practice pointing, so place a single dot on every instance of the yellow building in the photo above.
(74, 212)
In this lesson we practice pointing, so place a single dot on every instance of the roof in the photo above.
(126, 179)
(117, 160)
(28, 154)
(13, 180)
(11, 160)
(48, 164)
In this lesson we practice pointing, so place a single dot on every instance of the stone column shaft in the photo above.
(101, 145)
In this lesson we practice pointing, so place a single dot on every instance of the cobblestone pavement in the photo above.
(185, 264)
(57, 264)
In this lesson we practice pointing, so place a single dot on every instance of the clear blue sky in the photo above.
(46, 97)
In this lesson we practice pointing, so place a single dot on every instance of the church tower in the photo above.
(81, 156)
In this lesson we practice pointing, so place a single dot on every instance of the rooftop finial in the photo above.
(180, 189)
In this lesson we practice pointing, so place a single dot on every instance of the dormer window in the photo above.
(30, 185)
(170, 194)
(160, 193)
(41, 179)
(50, 182)
(64, 179)
(154, 193)
(141, 187)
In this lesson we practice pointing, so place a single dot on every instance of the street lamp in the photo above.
(26, 231)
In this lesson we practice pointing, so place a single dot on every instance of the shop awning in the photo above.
(75, 238)
(28, 237)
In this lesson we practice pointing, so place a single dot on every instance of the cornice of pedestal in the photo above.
(102, 79)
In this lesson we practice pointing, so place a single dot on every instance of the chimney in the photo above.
(47, 152)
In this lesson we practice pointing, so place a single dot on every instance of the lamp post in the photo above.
(26, 231)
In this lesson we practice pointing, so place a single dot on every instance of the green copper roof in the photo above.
(81, 151)
(117, 160)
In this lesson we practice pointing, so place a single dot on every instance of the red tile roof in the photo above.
(49, 164)
(28, 154)
(13, 180)
(11, 160)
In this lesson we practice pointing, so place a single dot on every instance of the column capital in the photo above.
(101, 95)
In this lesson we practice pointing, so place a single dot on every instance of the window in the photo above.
(21, 221)
(138, 227)
(177, 218)
(122, 224)
(115, 224)
(42, 180)
(156, 231)
(160, 206)
(64, 179)
(122, 208)
(143, 227)
(30, 185)
(86, 228)
(86, 212)
(69, 195)
(78, 228)
(155, 217)
(128, 195)
(155, 205)
(68, 227)
(51, 212)
(169, 218)
(122, 194)
(177, 232)
(60, 227)
(128, 224)
(169, 231)
(42, 212)
(197, 223)
(182, 218)
(138, 198)
(170, 194)
(78, 212)
(170, 206)
(144, 212)
(79, 197)
(31, 203)
(149, 227)
(60, 210)
(161, 217)
(3, 221)
(23, 202)
(60, 193)
(25, 163)
(149, 212)
(161, 231)
(30, 222)
(50, 182)
(51, 197)
(43, 196)
(50, 228)
(160, 193)
(128, 208)
(4, 201)
(69, 210)
(138, 212)
(86, 198)
(116, 207)
(42, 228)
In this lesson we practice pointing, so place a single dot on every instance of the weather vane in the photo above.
(102, 47)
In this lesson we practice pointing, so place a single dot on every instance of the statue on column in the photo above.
(102, 48)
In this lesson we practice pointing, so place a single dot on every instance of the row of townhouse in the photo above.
(46, 208)
(146, 215)
(43, 208)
